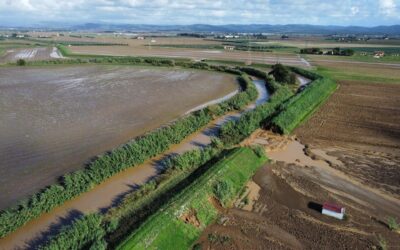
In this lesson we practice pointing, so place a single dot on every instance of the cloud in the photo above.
(336, 12)
(354, 10)
(388, 7)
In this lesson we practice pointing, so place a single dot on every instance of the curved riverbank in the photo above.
(107, 193)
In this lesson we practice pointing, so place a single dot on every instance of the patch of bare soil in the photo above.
(251, 194)
(190, 217)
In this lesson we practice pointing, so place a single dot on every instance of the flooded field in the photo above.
(54, 119)
(30, 54)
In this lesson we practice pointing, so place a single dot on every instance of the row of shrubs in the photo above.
(297, 109)
(234, 132)
(131, 154)
(306, 73)
(137, 206)
(120, 221)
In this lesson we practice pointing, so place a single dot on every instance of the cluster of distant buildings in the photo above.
(359, 38)
(378, 54)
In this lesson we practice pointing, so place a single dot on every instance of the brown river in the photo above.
(54, 119)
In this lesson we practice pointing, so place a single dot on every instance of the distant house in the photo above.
(333, 210)
(229, 47)
(363, 53)
(140, 38)
(379, 54)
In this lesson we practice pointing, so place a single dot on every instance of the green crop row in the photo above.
(301, 106)
(131, 154)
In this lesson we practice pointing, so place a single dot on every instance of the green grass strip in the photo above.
(167, 230)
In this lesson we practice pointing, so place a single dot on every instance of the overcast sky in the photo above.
(327, 12)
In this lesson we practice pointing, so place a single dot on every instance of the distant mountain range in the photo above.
(229, 28)
(248, 28)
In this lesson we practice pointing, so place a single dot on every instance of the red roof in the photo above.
(332, 207)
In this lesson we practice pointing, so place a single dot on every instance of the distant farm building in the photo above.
(140, 38)
(228, 47)
(379, 54)
(333, 210)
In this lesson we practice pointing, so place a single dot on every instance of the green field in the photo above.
(350, 75)
(167, 230)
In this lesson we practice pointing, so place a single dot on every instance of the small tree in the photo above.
(347, 52)
(282, 74)
(336, 51)
(21, 62)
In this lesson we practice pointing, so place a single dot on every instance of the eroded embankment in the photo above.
(180, 221)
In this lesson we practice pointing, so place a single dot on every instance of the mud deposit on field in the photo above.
(287, 214)
(360, 125)
(348, 153)
(55, 119)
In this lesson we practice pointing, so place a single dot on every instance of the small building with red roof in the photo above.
(333, 210)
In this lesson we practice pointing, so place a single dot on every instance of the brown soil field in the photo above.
(134, 42)
(54, 119)
(358, 113)
(318, 43)
(348, 153)
(361, 122)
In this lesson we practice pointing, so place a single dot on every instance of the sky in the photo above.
(166, 12)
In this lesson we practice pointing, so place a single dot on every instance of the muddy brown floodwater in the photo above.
(54, 119)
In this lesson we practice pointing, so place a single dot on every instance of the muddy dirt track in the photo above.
(348, 154)
(54, 119)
